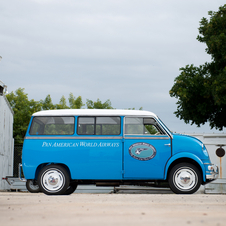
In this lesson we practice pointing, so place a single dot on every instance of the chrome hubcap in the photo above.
(185, 179)
(53, 180)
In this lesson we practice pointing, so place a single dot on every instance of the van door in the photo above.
(147, 148)
(99, 149)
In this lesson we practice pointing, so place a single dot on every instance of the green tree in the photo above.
(75, 103)
(151, 129)
(98, 104)
(201, 91)
(62, 104)
(23, 109)
(47, 104)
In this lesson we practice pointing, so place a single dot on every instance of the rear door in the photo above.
(147, 148)
(98, 155)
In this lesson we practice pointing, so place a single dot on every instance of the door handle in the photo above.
(167, 145)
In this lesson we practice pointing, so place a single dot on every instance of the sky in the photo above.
(128, 51)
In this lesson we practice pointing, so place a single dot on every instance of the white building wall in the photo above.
(6, 142)
(212, 143)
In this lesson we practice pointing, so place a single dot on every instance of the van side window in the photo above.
(52, 126)
(108, 125)
(99, 125)
(86, 125)
(142, 126)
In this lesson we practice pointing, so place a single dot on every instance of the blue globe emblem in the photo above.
(142, 151)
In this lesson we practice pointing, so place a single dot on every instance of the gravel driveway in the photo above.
(18, 208)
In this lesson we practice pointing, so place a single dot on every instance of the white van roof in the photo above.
(94, 112)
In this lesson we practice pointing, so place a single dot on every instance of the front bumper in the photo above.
(212, 172)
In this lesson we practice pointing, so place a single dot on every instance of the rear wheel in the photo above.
(184, 178)
(72, 187)
(53, 180)
(32, 186)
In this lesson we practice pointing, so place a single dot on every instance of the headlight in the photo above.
(210, 167)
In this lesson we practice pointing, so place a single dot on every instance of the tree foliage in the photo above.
(201, 91)
(23, 109)
(47, 103)
(62, 104)
(75, 103)
(98, 104)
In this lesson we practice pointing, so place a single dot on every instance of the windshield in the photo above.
(164, 126)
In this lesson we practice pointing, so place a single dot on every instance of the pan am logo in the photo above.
(142, 151)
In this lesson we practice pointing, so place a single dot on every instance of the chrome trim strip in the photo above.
(149, 138)
(93, 138)
(212, 177)
(71, 138)
(19, 176)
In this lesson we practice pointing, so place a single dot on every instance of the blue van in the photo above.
(65, 148)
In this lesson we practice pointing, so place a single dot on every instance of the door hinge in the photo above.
(123, 171)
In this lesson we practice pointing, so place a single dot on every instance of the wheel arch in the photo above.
(188, 158)
(38, 169)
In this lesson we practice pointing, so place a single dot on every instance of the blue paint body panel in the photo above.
(147, 169)
(86, 159)
(184, 143)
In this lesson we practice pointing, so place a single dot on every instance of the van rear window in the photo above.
(52, 126)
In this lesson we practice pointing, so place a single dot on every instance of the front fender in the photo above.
(185, 155)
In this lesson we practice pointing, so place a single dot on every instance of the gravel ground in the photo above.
(18, 208)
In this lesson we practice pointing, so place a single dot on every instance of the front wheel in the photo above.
(184, 178)
(53, 180)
